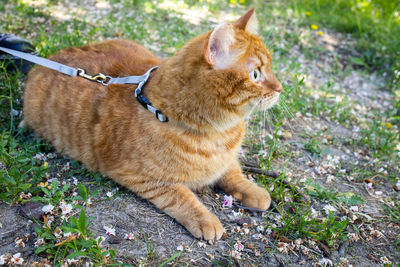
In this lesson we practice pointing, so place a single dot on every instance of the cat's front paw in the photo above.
(207, 226)
(254, 197)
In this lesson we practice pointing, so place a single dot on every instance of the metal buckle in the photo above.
(100, 77)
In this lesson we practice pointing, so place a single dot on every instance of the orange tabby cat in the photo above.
(206, 90)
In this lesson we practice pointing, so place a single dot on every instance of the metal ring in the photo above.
(106, 80)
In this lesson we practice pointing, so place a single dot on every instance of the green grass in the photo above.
(380, 137)
(393, 211)
(329, 195)
(285, 27)
(78, 242)
(171, 258)
(374, 23)
(313, 145)
(296, 217)
(296, 221)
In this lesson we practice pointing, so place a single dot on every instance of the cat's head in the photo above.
(237, 47)
(216, 79)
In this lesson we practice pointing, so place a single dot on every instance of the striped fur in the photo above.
(109, 131)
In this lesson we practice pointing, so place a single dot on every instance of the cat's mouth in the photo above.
(269, 100)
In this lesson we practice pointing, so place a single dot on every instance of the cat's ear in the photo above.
(218, 46)
(248, 22)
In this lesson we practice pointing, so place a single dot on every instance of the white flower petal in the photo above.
(3, 259)
(48, 208)
(354, 208)
(109, 230)
(227, 201)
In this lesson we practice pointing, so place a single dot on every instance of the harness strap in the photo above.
(128, 79)
(143, 100)
(103, 79)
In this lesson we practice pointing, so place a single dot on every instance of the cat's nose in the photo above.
(274, 84)
(277, 87)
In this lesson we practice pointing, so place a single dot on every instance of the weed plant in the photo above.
(374, 25)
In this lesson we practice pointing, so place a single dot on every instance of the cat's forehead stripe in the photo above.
(262, 54)
(255, 61)
(263, 58)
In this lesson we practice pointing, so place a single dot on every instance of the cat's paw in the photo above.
(254, 197)
(207, 226)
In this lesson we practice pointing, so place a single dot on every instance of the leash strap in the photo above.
(101, 78)
(42, 61)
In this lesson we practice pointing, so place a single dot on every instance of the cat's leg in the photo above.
(179, 202)
(248, 192)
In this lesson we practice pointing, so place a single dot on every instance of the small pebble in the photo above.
(397, 186)
(113, 239)
(287, 135)
(245, 222)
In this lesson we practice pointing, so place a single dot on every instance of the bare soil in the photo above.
(157, 236)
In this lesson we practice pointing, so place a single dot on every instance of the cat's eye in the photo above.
(255, 75)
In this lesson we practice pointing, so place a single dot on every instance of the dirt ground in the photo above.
(128, 213)
(156, 237)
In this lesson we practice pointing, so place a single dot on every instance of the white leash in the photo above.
(42, 61)
(100, 77)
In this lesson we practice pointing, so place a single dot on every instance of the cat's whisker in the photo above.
(272, 115)
(254, 126)
(216, 127)
(286, 109)
(255, 106)
(269, 124)
(264, 126)
(282, 104)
